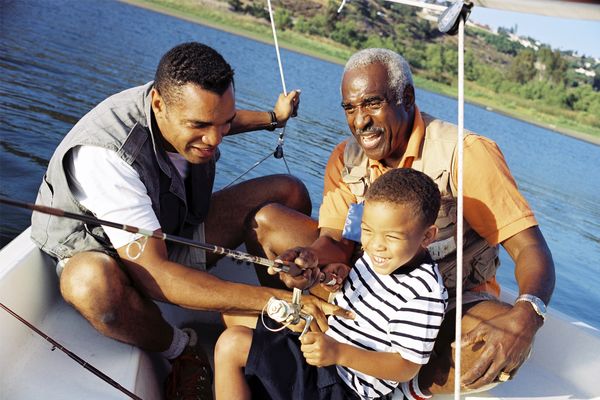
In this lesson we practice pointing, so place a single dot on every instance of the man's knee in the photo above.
(93, 283)
(292, 193)
(234, 345)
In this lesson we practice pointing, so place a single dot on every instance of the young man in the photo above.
(396, 293)
(146, 157)
(389, 131)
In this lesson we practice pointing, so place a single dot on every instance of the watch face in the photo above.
(538, 305)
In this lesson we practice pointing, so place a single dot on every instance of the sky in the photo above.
(559, 33)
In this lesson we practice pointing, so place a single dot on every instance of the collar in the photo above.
(412, 148)
(160, 153)
(419, 259)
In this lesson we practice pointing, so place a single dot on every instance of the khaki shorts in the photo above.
(469, 297)
(192, 257)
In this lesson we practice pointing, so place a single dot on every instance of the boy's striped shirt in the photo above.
(399, 313)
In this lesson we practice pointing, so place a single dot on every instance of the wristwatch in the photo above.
(273, 124)
(538, 305)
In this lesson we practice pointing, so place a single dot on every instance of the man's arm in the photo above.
(321, 350)
(164, 280)
(508, 337)
(285, 108)
(496, 209)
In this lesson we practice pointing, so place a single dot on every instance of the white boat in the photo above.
(565, 363)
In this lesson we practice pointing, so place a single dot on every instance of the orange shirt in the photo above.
(493, 205)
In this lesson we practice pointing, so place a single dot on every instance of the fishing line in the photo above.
(79, 360)
(278, 153)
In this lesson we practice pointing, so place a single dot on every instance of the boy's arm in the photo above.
(321, 350)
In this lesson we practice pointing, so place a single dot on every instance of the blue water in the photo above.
(59, 58)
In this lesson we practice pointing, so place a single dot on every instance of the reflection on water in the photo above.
(60, 58)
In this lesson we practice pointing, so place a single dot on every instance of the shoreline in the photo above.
(588, 138)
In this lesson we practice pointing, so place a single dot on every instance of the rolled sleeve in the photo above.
(493, 205)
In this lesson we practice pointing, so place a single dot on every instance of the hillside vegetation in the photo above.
(535, 83)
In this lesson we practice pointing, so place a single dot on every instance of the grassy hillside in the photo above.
(537, 85)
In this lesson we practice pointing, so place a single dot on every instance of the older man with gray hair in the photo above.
(389, 131)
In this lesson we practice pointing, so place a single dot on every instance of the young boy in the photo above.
(396, 293)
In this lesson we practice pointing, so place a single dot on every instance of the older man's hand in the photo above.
(305, 259)
(506, 342)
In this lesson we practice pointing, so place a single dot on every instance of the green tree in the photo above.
(235, 5)
(522, 69)
(283, 19)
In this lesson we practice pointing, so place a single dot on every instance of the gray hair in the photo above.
(399, 75)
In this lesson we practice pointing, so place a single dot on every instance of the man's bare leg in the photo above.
(437, 376)
(96, 285)
(268, 214)
(231, 355)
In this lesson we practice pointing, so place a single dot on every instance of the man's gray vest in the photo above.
(122, 123)
(480, 260)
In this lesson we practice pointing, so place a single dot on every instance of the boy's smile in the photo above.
(392, 235)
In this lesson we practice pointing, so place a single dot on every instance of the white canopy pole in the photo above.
(459, 208)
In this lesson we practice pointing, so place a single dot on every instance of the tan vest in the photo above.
(480, 260)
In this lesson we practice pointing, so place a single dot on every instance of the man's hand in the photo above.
(506, 341)
(319, 309)
(305, 259)
(287, 107)
(335, 275)
(319, 349)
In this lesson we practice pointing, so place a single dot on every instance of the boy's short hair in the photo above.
(195, 63)
(408, 186)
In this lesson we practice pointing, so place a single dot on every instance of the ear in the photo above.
(429, 236)
(157, 102)
(408, 97)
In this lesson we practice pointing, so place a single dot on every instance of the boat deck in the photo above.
(564, 364)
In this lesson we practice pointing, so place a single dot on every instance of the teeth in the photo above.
(379, 260)
(370, 139)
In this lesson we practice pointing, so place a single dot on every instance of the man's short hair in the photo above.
(399, 75)
(407, 186)
(192, 62)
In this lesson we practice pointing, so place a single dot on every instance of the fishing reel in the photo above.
(288, 313)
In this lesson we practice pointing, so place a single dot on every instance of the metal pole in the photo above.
(459, 210)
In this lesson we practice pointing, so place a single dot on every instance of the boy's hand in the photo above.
(319, 349)
(335, 275)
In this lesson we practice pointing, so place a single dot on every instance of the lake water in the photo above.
(59, 58)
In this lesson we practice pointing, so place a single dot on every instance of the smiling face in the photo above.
(392, 235)
(380, 125)
(194, 123)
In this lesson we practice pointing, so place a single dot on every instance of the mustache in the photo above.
(370, 130)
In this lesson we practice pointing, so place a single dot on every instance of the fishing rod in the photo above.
(79, 360)
(277, 266)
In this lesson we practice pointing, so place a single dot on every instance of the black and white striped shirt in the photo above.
(398, 313)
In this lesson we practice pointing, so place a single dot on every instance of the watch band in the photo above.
(536, 303)
(273, 123)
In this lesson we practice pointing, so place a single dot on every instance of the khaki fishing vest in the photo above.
(122, 123)
(480, 260)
